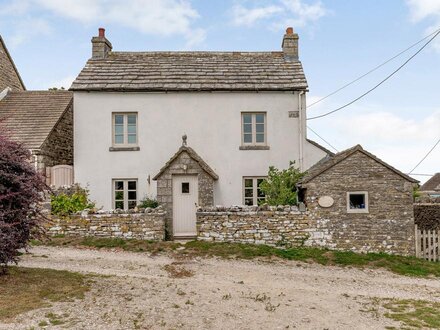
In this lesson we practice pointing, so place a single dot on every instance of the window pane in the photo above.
(131, 129)
(132, 204)
(260, 128)
(132, 185)
(119, 205)
(357, 201)
(119, 129)
(119, 185)
(248, 193)
(247, 128)
(249, 201)
(260, 194)
(132, 195)
(260, 138)
(259, 181)
(247, 118)
(131, 119)
(248, 183)
(247, 138)
(131, 139)
(259, 118)
(119, 119)
(185, 187)
(119, 139)
(119, 195)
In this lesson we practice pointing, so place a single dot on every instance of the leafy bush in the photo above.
(280, 185)
(148, 202)
(64, 204)
(21, 192)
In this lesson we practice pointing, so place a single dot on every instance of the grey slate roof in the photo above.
(9, 75)
(191, 71)
(433, 184)
(30, 116)
(328, 162)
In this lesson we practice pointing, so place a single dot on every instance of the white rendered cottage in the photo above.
(239, 113)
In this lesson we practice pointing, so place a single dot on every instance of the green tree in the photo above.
(280, 185)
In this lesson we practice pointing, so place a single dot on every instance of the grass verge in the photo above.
(418, 314)
(24, 289)
(409, 266)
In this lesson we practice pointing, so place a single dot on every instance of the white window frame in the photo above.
(254, 129)
(125, 192)
(254, 189)
(364, 210)
(125, 133)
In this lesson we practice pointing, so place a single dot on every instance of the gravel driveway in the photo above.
(140, 291)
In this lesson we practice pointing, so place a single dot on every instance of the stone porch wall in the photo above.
(276, 226)
(149, 225)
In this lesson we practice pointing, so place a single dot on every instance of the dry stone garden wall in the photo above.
(276, 226)
(147, 225)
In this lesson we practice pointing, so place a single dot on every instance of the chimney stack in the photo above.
(100, 45)
(290, 45)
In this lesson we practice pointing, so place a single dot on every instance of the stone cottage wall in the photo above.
(389, 224)
(149, 225)
(58, 148)
(282, 226)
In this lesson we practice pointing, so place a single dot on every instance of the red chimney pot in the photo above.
(289, 30)
(101, 32)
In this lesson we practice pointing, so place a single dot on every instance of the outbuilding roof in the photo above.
(328, 162)
(191, 71)
(30, 116)
(433, 184)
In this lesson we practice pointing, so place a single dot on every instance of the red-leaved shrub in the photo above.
(21, 192)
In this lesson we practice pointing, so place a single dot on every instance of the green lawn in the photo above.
(24, 289)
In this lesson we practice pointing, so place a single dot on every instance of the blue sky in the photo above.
(339, 40)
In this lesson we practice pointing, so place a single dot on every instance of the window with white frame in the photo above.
(252, 194)
(125, 129)
(253, 128)
(124, 194)
(357, 202)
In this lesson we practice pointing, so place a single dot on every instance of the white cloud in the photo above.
(421, 10)
(27, 28)
(399, 141)
(154, 17)
(283, 13)
(65, 82)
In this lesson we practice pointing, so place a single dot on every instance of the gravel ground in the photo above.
(139, 291)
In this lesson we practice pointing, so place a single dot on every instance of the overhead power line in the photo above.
(328, 143)
(417, 174)
(372, 70)
(380, 83)
(435, 145)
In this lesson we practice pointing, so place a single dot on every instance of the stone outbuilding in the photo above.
(184, 183)
(43, 122)
(358, 202)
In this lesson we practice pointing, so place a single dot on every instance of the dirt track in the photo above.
(142, 292)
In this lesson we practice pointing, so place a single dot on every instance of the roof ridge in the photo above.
(232, 52)
(330, 162)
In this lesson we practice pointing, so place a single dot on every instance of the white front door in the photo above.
(185, 199)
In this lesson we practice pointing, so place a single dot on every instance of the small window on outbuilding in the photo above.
(357, 202)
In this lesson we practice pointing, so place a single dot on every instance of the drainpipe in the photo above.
(301, 131)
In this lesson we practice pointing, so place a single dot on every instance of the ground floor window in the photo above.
(124, 194)
(252, 194)
(357, 202)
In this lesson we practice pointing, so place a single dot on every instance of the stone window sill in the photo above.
(254, 147)
(124, 149)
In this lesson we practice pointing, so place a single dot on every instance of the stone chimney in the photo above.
(100, 46)
(290, 45)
